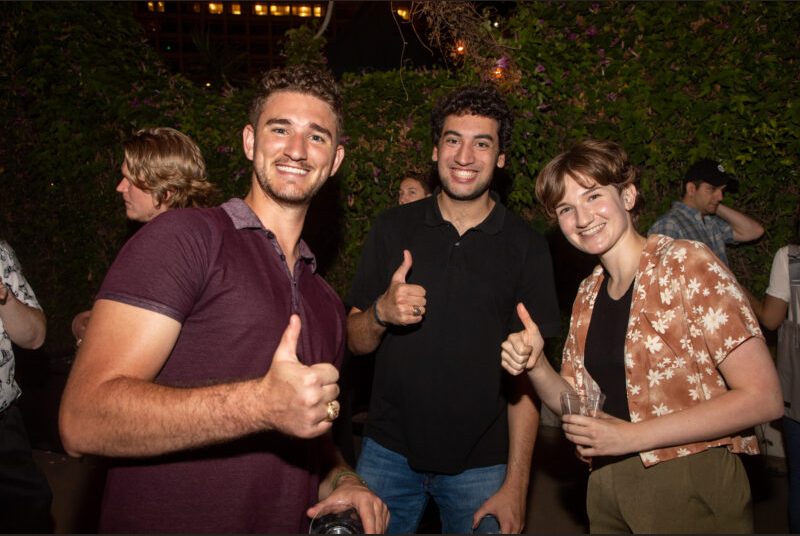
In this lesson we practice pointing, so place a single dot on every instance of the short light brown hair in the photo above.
(301, 79)
(605, 162)
(169, 166)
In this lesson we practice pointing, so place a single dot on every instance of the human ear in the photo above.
(248, 141)
(337, 159)
(629, 196)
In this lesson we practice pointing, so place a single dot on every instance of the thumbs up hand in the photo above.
(297, 397)
(402, 304)
(522, 350)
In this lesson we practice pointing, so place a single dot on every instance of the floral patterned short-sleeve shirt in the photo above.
(12, 278)
(688, 314)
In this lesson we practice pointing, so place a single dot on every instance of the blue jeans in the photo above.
(791, 434)
(406, 491)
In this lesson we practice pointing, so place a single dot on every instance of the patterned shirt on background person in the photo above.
(17, 284)
(688, 313)
(685, 222)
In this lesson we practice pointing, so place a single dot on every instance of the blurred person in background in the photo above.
(25, 495)
(701, 215)
(413, 188)
(162, 169)
(780, 309)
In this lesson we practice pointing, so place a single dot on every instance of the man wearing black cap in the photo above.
(701, 216)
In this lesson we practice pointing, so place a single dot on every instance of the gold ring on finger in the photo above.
(417, 311)
(333, 410)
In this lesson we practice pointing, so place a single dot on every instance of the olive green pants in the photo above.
(701, 493)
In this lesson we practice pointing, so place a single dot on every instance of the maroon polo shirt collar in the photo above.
(243, 217)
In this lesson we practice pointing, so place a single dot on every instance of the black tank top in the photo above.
(604, 355)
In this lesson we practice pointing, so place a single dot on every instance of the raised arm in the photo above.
(111, 405)
(402, 304)
(745, 228)
(524, 351)
(26, 326)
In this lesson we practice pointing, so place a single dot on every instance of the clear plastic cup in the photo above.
(573, 403)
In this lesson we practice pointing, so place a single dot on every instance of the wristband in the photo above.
(380, 322)
(343, 474)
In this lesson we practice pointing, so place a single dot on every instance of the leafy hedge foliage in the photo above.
(671, 81)
(76, 79)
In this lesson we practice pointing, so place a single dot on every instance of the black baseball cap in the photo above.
(712, 172)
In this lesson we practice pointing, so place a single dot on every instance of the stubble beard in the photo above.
(710, 210)
(471, 196)
(294, 197)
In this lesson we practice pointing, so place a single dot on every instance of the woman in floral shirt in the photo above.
(663, 329)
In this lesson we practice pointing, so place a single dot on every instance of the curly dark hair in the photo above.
(602, 161)
(482, 100)
(302, 79)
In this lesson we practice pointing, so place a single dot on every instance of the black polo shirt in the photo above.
(438, 393)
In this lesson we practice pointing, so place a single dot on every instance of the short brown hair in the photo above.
(301, 79)
(168, 165)
(605, 162)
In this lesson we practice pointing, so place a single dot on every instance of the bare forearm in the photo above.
(336, 470)
(745, 228)
(523, 426)
(363, 331)
(26, 326)
(771, 312)
(548, 384)
(113, 405)
(132, 417)
(754, 397)
(508, 503)
(342, 485)
(715, 418)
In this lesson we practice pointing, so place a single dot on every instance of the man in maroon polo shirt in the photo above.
(208, 369)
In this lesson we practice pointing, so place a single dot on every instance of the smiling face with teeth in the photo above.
(294, 147)
(595, 218)
(466, 154)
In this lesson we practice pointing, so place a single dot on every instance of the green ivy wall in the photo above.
(671, 81)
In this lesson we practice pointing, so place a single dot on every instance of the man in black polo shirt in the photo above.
(435, 295)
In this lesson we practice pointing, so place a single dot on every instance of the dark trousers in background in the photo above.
(25, 495)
